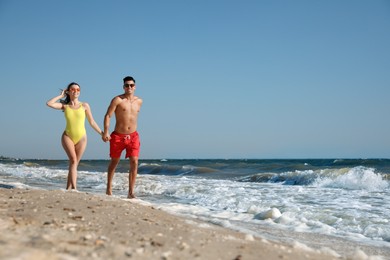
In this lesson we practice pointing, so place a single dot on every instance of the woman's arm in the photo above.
(91, 121)
(53, 102)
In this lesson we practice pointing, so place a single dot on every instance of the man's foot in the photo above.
(131, 196)
(108, 192)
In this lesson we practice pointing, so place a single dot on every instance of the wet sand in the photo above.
(41, 224)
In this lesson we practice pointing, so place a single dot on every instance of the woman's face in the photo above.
(74, 90)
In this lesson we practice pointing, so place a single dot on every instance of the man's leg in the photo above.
(110, 174)
(132, 175)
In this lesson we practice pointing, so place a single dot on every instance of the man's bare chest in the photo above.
(127, 108)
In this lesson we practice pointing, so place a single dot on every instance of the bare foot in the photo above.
(108, 192)
(131, 196)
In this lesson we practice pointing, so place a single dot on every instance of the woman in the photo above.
(74, 138)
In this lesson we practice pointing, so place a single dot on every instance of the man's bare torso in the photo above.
(126, 114)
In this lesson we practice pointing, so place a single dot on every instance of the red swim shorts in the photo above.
(119, 142)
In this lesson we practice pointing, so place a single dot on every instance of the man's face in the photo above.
(129, 86)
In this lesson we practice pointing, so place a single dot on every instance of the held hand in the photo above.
(106, 137)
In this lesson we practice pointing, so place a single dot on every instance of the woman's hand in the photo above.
(63, 93)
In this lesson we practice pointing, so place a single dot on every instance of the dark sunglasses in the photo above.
(129, 85)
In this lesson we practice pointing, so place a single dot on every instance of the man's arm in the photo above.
(110, 110)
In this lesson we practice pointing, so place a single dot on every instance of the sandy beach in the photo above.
(41, 224)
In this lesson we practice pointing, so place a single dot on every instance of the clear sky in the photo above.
(219, 79)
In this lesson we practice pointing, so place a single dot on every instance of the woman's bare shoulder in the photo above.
(85, 105)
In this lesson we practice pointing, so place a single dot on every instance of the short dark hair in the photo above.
(128, 78)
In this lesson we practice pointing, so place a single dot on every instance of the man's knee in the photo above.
(113, 163)
(115, 160)
(133, 161)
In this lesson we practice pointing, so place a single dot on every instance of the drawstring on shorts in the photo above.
(127, 138)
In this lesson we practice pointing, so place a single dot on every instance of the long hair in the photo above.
(67, 98)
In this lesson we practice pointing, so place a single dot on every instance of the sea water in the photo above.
(330, 203)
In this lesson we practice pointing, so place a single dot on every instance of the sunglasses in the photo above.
(74, 90)
(129, 85)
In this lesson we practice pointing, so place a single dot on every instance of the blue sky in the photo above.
(219, 79)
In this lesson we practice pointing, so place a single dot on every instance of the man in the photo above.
(125, 136)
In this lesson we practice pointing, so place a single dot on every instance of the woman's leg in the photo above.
(80, 148)
(74, 153)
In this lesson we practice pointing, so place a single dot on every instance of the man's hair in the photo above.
(128, 78)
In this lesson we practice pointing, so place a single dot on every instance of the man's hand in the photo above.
(106, 137)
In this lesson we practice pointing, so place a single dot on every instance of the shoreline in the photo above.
(56, 224)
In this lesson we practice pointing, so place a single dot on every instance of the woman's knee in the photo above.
(73, 160)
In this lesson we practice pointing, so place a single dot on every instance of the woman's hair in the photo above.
(67, 98)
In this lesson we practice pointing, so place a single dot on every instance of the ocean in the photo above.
(335, 204)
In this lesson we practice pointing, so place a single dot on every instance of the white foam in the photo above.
(17, 185)
(273, 213)
(353, 203)
(357, 178)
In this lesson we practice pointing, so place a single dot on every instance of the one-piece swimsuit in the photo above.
(75, 123)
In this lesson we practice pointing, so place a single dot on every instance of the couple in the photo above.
(125, 136)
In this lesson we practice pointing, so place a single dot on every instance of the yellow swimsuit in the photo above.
(75, 123)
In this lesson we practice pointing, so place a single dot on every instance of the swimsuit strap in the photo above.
(67, 105)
